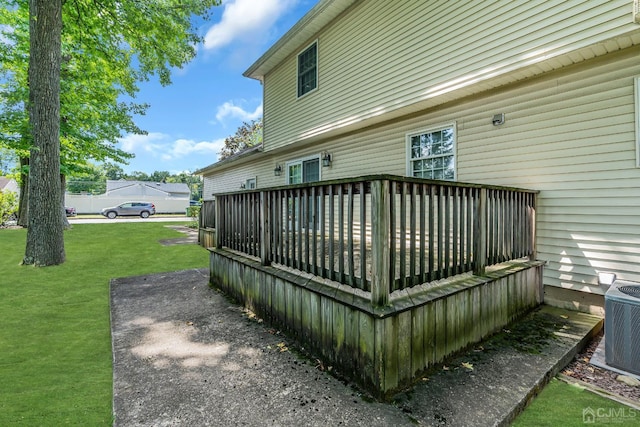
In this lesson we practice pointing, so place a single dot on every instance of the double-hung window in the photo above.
(308, 70)
(431, 153)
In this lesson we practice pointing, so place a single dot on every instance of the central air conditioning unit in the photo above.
(622, 326)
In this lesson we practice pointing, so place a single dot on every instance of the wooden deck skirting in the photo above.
(207, 237)
(381, 347)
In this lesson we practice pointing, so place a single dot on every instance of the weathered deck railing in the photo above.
(379, 233)
(207, 217)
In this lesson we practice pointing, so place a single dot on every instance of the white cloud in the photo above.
(163, 146)
(245, 20)
(230, 110)
(149, 142)
(185, 147)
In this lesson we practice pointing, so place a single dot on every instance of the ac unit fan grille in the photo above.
(633, 291)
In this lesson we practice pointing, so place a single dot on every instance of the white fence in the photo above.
(88, 204)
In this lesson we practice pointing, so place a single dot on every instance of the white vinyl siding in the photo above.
(637, 98)
(570, 134)
(381, 56)
(232, 179)
(574, 140)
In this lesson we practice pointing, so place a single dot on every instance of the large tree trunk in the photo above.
(23, 203)
(45, 240)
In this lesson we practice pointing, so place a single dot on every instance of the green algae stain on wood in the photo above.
(417, 340)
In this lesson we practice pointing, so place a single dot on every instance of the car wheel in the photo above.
(111, 215)
(144, 214)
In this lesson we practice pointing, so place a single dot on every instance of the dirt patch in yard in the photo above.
(190, 238)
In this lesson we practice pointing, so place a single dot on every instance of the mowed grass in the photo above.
(55, 341)
(562, 404)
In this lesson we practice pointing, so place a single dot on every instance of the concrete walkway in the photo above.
(185, 355)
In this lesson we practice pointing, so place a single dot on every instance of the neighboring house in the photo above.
(536, 95)
(145, 188)
(9, 184)
(167, 197)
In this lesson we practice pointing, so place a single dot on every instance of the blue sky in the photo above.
(188, 121)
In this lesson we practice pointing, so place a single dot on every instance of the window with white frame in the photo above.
(303, 170)
(308, 70)
(250, 184)
(431, 153)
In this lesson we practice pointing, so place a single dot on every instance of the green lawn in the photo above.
(562, 404)
(55, 345)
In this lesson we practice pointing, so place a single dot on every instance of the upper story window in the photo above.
(308, 70)
(431, 153)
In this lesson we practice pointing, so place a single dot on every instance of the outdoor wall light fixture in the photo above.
(242, 186)
(278, 170)
(326, 160)
(498, 119)
(606, 278)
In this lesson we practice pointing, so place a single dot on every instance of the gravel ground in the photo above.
(582, 370)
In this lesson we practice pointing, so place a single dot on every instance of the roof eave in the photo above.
(231, 159)
(308, 26)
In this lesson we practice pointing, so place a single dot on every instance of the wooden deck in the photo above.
(380, 276)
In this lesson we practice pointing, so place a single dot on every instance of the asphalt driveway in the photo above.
(185, 355)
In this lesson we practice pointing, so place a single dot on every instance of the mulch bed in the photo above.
(582, 370)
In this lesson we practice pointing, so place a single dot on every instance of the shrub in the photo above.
(8, 206)
(194, 213)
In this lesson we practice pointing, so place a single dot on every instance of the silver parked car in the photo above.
(144, 209)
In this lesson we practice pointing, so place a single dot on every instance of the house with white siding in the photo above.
(538, 95)
(9, 184)
(167, 197)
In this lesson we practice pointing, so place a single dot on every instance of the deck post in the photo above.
(219, 223)
(380, 259)
(265, 239)
(533, 251)
(480, 233)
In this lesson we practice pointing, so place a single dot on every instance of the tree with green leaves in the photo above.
(91, 116)
(159, 176)
(247, 135)
(106, 48)
(92, 181)
(194, 182)
(112, 171)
